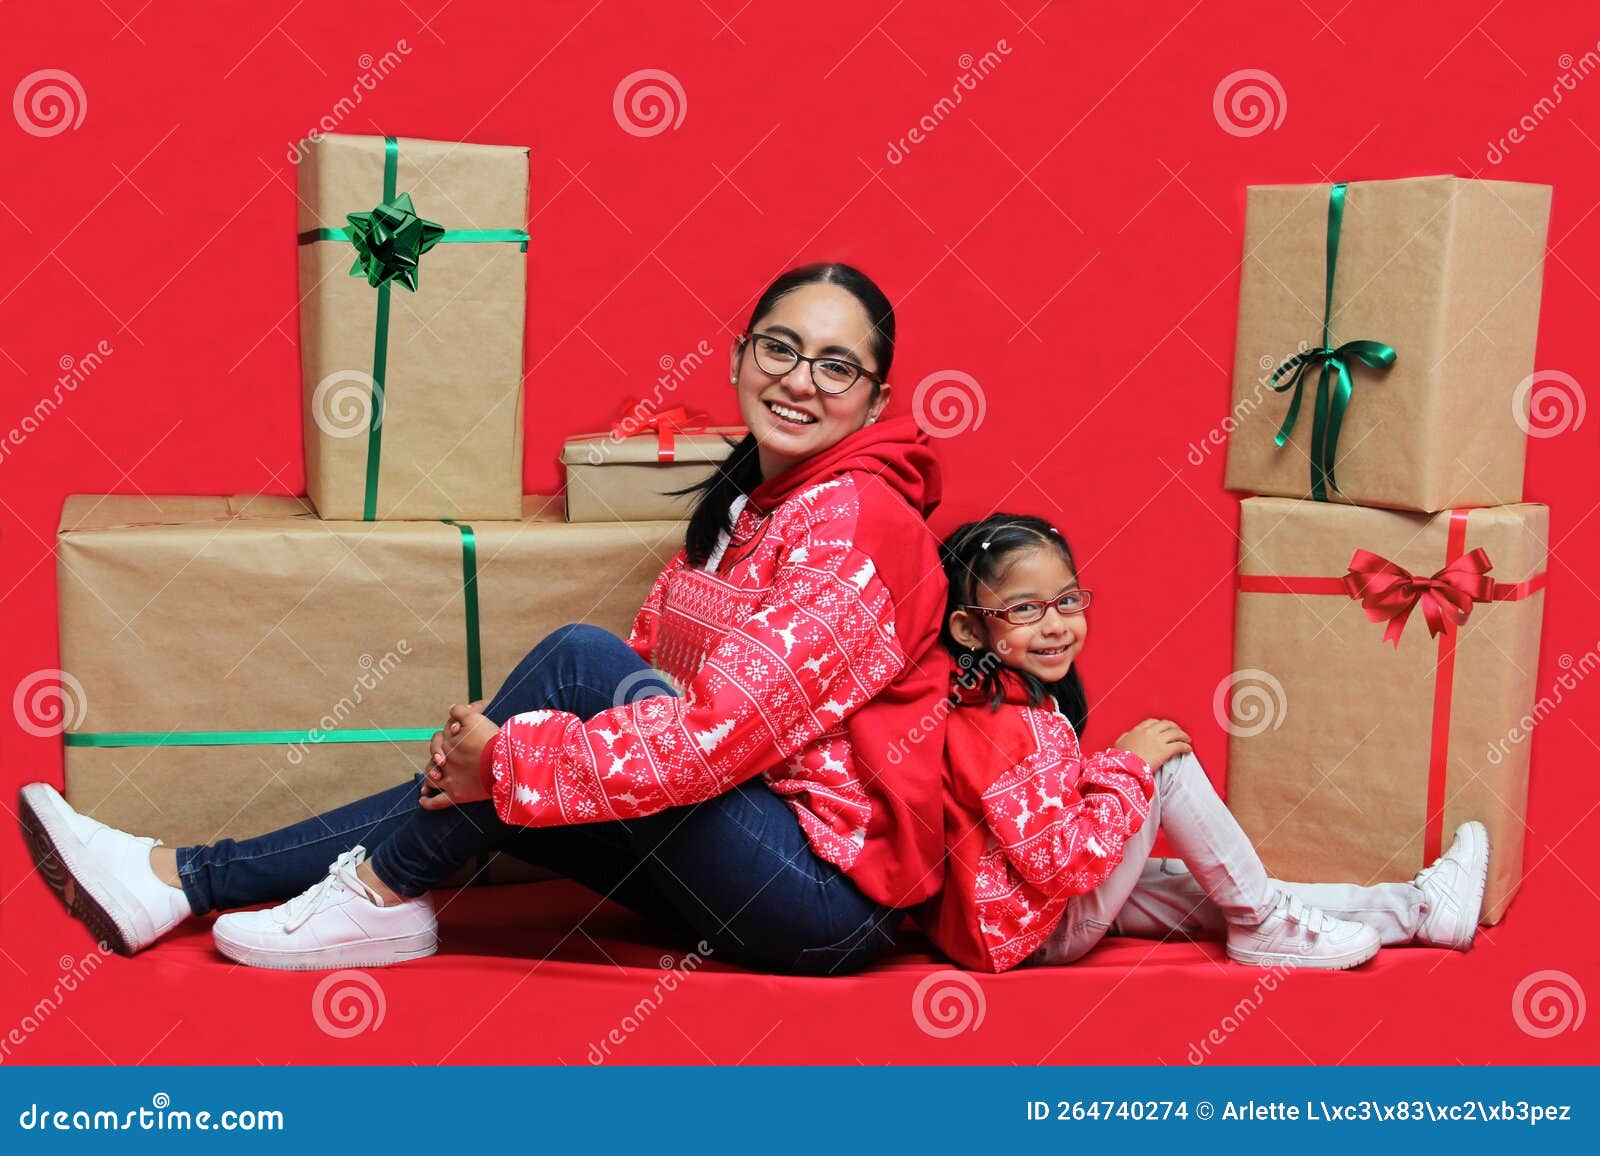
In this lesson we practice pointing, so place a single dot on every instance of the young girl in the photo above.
(1048, 851)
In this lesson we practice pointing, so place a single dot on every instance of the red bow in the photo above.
(1390, 593)
(667, 423)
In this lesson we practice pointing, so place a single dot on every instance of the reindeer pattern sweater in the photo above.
(806, 649)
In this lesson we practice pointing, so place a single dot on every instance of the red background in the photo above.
(1070, 236)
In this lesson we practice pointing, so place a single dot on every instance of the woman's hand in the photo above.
(1155, 741)
(452, 775)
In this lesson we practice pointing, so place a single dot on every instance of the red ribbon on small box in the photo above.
(1389, 593)
(667, 424)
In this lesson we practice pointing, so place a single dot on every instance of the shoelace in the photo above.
(341, 876)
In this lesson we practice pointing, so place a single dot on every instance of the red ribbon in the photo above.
(1389, 593)
(666, 423)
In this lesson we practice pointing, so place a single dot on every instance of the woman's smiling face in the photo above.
(790, 417)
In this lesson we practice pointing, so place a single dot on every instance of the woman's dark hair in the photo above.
(741, 471)
(978, 553)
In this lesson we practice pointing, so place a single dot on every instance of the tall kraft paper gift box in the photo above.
(1359, 740)
(238, 664)
(413, 282)
(1386, 334)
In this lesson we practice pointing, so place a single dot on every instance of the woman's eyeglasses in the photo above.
(829, 374)
(1027, 613)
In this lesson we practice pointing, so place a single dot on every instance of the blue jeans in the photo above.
(735, 871)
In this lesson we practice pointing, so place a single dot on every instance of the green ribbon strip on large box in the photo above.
(1333, 383)
(389, 242)
(313, 736)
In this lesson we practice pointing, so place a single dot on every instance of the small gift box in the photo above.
(237, 664)
(1384, 675)
(413, 281)
(628, 473)
(1386, 340)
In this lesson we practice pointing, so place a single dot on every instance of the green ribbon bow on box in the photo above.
(1334, 384)
(389, 242)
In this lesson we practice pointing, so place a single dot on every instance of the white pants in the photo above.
(1218, 879)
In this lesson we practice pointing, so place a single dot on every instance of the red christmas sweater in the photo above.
(806, 651)
(1029, 823)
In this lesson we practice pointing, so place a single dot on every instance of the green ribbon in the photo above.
(1334, 384)
(389, 243)
(469, 586)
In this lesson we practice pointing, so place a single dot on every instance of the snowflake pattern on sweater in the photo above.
(792, 634)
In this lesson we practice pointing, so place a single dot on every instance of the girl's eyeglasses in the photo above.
(1027, 613)
(829, 374)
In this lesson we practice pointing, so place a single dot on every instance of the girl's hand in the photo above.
(1155, 741)
(452, 775)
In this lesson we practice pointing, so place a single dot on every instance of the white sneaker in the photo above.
(102, 874)
(1296, 935)
(339, 922)
(1452, 889)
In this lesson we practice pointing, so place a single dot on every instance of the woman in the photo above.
(774, 810)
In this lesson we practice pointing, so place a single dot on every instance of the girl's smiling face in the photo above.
(1045, 649)
(819, 319)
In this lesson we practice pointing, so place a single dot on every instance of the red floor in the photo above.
(515, 985)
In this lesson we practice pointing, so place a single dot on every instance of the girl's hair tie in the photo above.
(985, 545)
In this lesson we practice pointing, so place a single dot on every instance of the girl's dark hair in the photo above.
(977, 554)
(741, 471)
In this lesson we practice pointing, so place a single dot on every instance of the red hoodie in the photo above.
(807, 652)
(1029, 822)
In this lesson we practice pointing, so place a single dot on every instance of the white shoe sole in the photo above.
(367, 953)
(1355, 957)
(96, 900)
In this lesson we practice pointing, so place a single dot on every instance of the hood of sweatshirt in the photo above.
(895, 451)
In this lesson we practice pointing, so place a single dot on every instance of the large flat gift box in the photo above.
(1406, 386)
(614, 478)
(241, 664)
(1360, 739)
(413, 283)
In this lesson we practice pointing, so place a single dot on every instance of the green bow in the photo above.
(390, 241)
(1334, 384)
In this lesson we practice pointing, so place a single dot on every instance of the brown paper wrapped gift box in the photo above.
(625, 479)
(450, 440)
(250, 614)
(1448, 273)
(1333, 758)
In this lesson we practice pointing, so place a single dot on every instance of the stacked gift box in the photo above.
(246, 662)
(1390, 576)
